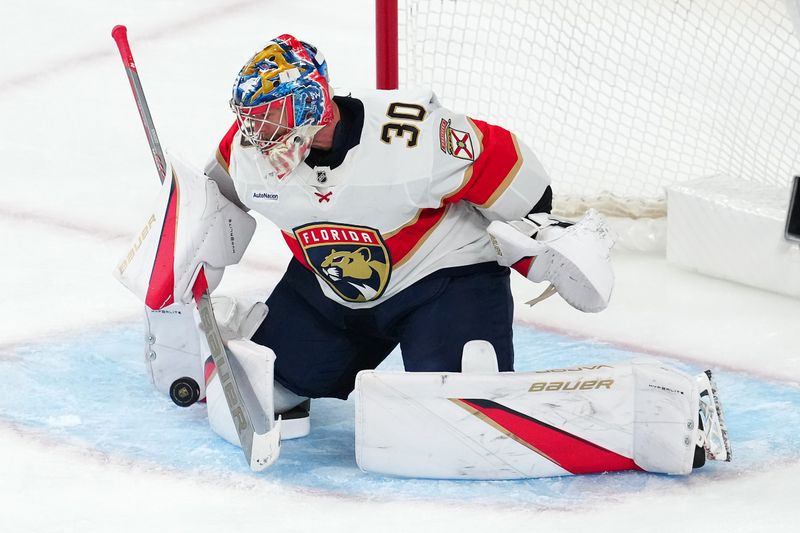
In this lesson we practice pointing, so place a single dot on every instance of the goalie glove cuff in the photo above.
(573, 257)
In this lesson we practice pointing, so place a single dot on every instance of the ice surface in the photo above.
(104, 401)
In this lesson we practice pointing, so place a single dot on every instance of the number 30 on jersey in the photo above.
(404, 112)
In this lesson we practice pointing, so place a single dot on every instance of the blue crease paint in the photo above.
(94, 390)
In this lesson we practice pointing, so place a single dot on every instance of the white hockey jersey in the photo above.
(414, 196)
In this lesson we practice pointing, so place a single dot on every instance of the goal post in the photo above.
(386, 44)
(619, 99)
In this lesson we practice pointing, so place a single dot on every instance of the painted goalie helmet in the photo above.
(281, 99)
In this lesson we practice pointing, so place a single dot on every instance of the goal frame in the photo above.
(386, 53)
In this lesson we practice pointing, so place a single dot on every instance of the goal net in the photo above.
(619, 99)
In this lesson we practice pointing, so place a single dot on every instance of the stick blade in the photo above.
(266, 448)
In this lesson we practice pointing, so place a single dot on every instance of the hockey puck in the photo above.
(184, 392)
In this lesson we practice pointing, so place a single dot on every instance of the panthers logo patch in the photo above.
(353, 260)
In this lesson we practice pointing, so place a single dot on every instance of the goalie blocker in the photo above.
(480, 424)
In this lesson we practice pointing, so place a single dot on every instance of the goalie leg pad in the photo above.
(237, 319)
(638, 415)
(252, 365)
(173, 347)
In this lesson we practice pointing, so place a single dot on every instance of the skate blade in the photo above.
(723, 427)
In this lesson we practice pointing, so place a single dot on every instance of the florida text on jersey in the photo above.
(411, 194)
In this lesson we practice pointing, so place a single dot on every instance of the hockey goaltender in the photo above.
(404, 220)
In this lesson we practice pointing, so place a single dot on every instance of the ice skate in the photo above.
(712, 433)
(296, 422)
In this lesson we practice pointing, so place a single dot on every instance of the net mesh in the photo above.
(619, 98)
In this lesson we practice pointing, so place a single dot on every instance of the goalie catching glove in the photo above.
(574, 258)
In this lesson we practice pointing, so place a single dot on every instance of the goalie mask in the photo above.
(281, 100)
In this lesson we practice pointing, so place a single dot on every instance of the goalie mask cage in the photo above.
(618, 99)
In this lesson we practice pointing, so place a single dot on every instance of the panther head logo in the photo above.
(353, 261)
(357, 269)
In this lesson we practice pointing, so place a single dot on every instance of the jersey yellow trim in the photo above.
(404, 226)
(222, 162)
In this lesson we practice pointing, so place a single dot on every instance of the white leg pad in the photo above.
(666, 403)
(176, 348)
(252, 366)
(236, 319)
(173, 346)
(632, 415)
(479, 356)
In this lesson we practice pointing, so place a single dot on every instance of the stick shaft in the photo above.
(120, 35)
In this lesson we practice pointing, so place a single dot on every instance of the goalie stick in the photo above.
(260, 449)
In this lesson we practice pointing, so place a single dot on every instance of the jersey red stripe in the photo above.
(226, 143)
(496, 163)
(523, 266)
(404, 242)
(572, 453)
(294, 246)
